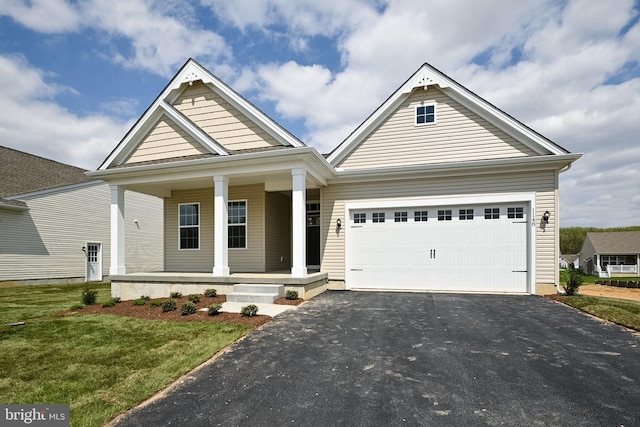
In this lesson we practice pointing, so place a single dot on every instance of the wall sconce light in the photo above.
(339, 223)
(545, 217)
(84, 249)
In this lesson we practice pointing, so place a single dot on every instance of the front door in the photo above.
(94, 262)
(313, 235)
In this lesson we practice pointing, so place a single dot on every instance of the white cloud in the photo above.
(47, 16)
(31, 121)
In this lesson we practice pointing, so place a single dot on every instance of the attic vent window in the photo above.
(425, 114)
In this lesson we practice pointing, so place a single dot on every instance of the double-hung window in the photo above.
(237, 220)
(189, 225)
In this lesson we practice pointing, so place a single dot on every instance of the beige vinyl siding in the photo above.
(543, 183)
(166, 141)
(459, 135)
(220, 120)
(46, 241)
(278, 232)
(201, 260)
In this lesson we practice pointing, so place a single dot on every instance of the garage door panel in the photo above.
(471, 254)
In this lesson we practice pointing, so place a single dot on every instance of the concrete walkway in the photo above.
(394, 359)
(272, 310)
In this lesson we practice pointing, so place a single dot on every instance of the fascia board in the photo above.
(8, 207)
(193, 130)
(456, 169)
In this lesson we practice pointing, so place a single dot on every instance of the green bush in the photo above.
(194, 298)
(214, 309)
(76, 307)
(89, 296)
(175, 294)
(210, 293)
(110, 303)
(188, 308)
(117, 300)
(574, 281)
(291, 294)
(249, 310)
(169, 306)
(156, 303)
(145, 297)
(139, 301)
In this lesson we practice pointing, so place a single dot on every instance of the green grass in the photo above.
(590, 280)
(623, 312)
(99, 364)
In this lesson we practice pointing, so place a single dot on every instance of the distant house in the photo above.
(608, 254)
(436, 190)
(570, 259)
(55, 223)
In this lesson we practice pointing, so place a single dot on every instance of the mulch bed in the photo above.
(126, 308)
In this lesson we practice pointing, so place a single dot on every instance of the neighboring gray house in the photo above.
(437, 190)
(570, 259)
(54, 223)
(611, 253)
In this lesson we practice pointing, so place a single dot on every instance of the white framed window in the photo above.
(492, 213)
(237, 220)
(444, 215)
(515, 213)
(465, 214)
(420, 216)
(377, 217)
(359, 218)
(189, 226)
(425, 114)
(400, 217)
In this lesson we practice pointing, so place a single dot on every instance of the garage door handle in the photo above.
(520, 271)
(432, 253)
(356, 269)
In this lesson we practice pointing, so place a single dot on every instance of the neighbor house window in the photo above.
(444, 215)
(515, 213)
(400, 217)
(237, 219)
(359, 218)
(492, 213)
(420, 216)
(189, 225)
(377, 217)
(465, 214)
(425, 114)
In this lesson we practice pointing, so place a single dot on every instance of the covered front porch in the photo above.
(161, 284)
(616, 265)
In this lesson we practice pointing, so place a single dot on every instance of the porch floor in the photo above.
(275, 277)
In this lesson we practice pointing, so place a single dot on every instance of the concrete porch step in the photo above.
(255, 293)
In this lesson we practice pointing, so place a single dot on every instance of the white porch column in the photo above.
(221, 226)
(117, 230)
(299, 214)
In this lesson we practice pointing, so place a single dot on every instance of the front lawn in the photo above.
(623, 312)
(99, 364)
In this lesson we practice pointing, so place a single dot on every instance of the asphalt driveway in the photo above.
(365, 359)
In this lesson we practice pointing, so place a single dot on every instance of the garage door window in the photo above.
(465, 214)
(420, 216)
(492, 213)
(377, 217)
(515, 213)
(444, 215)
(400, 217)
(359, 218)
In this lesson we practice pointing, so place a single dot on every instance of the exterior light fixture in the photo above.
(339, 223)
(545, 217)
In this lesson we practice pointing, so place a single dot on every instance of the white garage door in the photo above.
(449, 248)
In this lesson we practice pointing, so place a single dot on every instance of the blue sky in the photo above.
(75, 75)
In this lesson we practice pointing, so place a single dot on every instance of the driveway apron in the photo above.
(374, 358)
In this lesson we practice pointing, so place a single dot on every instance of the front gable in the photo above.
(197, 114)
(456, 126)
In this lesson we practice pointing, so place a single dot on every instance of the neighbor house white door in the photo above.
(443, 248)
(94, 262)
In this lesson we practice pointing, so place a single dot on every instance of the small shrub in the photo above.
(188, 308)
(89, 296)
(249, 310)
(156, 303)
(117, 300)
(210, 293)
(139, 301)
(110, 303)
(169, 306)
(291, 294)
(175, 294)
(573, 282)
(76, 307)
(194, 298)
(145, 297)
(214, 309)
